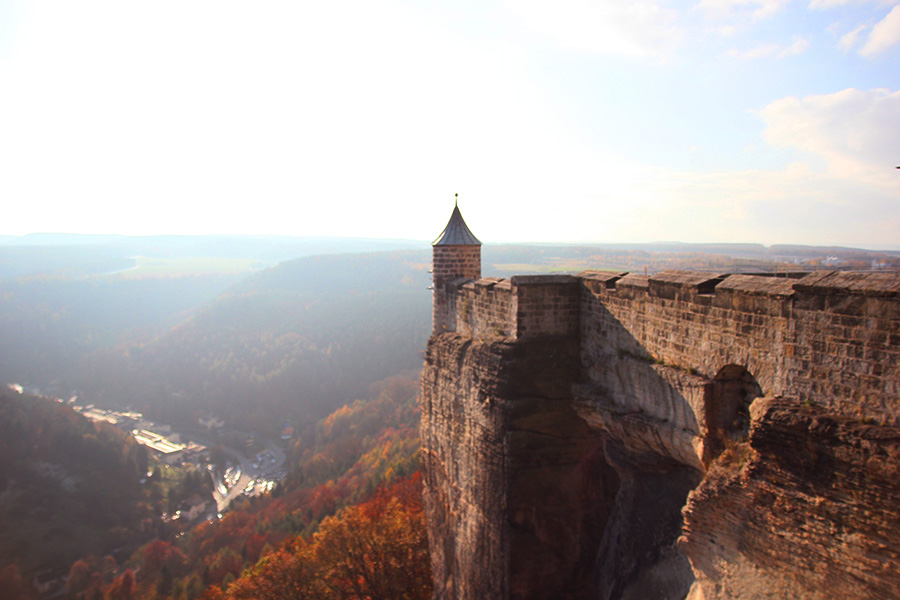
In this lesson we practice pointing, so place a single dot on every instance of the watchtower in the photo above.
(456, 253)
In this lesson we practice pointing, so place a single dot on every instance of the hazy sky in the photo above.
(567, 120)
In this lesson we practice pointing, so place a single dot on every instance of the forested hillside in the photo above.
(354, 481)
(289, 343)
(180, 339)
(51, 325)
(68, 487)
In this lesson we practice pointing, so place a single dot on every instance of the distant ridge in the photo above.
(65, 253)
(728, 249)
(80, 239)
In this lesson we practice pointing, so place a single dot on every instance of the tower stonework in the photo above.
(456, 254)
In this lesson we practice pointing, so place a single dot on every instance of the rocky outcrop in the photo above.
(808, 508)
(638, 557)
(518, 490)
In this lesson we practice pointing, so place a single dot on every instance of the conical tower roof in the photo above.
(456, 233)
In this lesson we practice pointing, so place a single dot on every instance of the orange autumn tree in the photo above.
(282, 574)
(13, 585)
(376, 550)
(123, 587)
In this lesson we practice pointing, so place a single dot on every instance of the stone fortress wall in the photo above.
(825, 337)
(685, 434)
(694, 435)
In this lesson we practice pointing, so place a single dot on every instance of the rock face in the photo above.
(517, 488)
(697, 435)
(809, 508)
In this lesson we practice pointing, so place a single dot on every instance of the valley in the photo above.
(258, 404)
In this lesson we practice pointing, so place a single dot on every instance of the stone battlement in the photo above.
(518, 308)
(493, 306)
(826, 336)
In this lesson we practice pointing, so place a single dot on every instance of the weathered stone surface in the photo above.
(827, 337)
(463, 442)
(451, 263)
(517, 489)
(638, 557)
(809, 508)
(568, 419)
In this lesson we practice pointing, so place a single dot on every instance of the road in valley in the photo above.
(249, 473)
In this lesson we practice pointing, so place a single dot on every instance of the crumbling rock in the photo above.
(808, 508)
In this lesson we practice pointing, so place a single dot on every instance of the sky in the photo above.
(767, 121)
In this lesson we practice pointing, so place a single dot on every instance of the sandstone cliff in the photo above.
(808, 508)
(517, 489)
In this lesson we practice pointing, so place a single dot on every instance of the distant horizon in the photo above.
(6, 239)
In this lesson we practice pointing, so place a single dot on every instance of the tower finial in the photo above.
(456, 233)
(456, 197)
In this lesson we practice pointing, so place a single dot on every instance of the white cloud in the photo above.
(820, 4)
(884, 34)
(779, 51)
(762, 51)
(841, 190)
(795, 205)
(637, 28)
(755, 9)
(824, 4)
(849, 39)
(854, 131)
(799, 46)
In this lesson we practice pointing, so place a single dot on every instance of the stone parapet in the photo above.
(545, 305)
(523, 307)
(828, 337)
